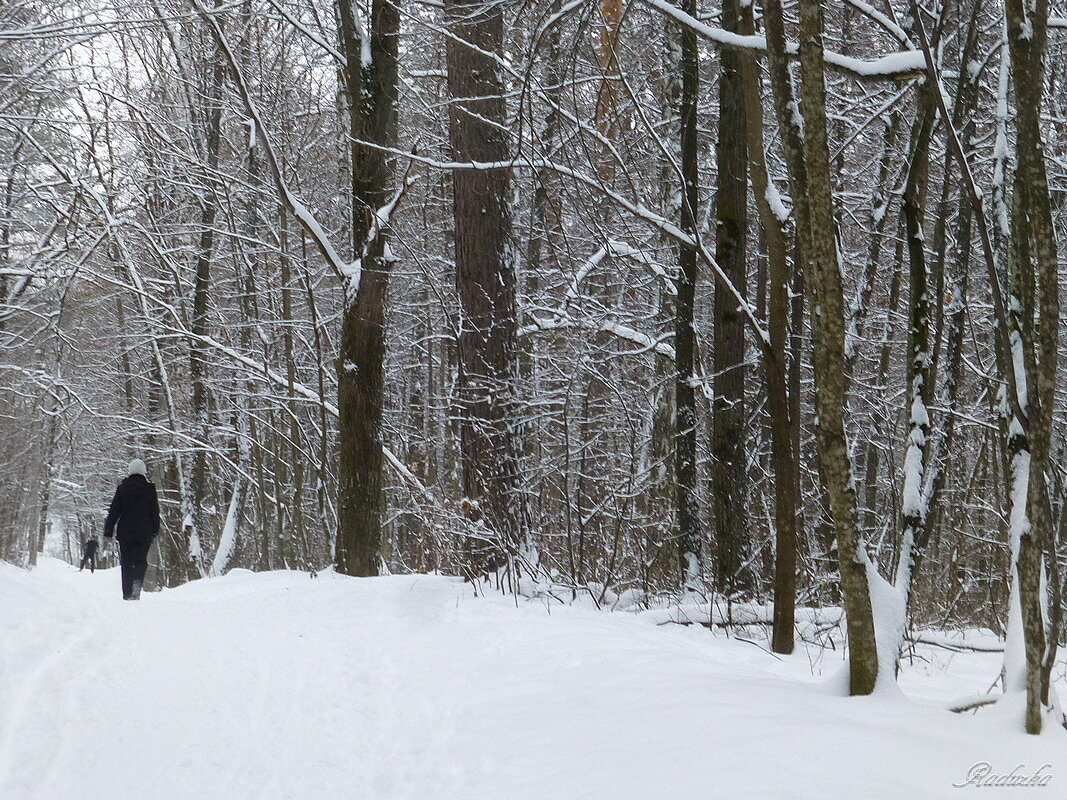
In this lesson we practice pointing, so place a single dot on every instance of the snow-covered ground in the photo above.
(274, 685)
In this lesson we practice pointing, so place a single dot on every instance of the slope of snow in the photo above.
(274, 685)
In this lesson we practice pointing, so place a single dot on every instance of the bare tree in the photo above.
(729, 467)
(371, 87)
(485, 276)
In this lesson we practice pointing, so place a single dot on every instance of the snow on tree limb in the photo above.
(904, 65)
(344, 270)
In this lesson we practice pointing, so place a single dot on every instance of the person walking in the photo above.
(89, 554)
(133, 519)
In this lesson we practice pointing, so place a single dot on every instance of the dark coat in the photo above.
(135, 509)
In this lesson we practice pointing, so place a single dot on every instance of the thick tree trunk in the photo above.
(776, 359)
(729, 468)
(371, 86)
(1035, 243)
(784, 102)
(828, 345)
(485, 281)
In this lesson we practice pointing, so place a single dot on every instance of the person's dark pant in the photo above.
(133, 558)
(90, 559)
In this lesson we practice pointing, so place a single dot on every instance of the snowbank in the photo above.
(275, 685)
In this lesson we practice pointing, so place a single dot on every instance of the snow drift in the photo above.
(274, 685)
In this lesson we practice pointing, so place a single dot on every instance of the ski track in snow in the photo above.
(274, 686)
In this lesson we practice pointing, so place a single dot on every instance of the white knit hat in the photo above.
(137, 467)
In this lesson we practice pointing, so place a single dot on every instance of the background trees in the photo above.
(655, 295)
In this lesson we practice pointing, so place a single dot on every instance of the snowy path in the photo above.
(277, 686)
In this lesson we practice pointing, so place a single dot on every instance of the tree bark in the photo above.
(485, 281)
(776, 359)
(685, 446)
(371, 87)
(211, 129)
(955, 303)
(828, 346)
(1035, 244)
(920, 375)
(729, 475)
(784, 102)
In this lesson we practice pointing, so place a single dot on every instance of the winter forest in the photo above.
(742, 314)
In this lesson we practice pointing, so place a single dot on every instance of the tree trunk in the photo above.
(1035, 246)
(784, 102)
(776, 359)
(685, 447)
(371, 86)
(485, 281)
(828, 346)
(920, 374)
(955, 301)
(296, 516)
(729, 468)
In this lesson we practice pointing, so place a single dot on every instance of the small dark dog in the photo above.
(89, 557)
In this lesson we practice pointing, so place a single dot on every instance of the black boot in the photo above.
(127, 582)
